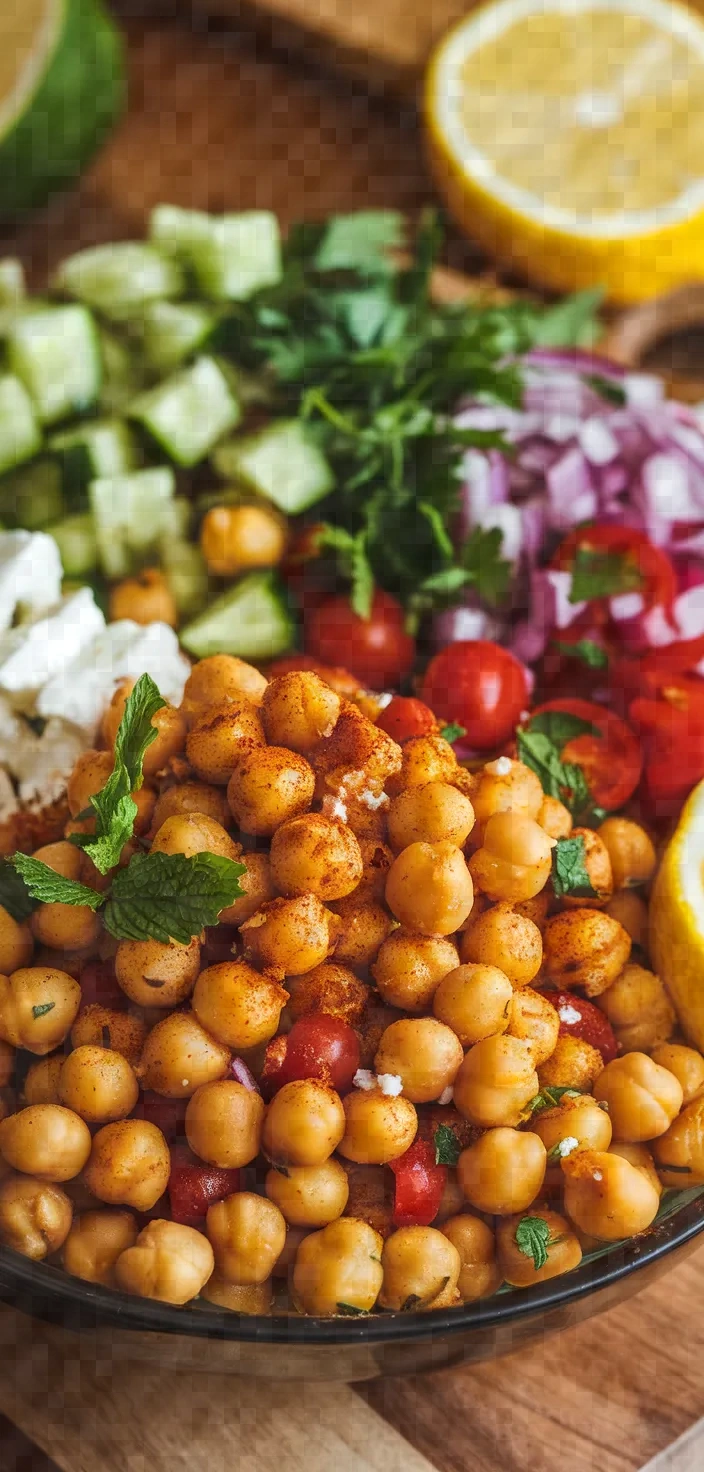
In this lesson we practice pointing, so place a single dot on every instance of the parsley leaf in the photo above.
(42, 1008)
(593, 655)
(560, 726)
(350, 1310)
(114, 806)
(453, 732)
(569, 322)
(487, 570)
(600, 574)
(548, 1098)
(569, 868)
(14, 895)
(532, 1237)
(352, 553)
(447, 1146)
(169, 896)
(540, 746)
(360, 242)
(49, 888)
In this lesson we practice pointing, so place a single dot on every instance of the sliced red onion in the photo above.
(571, 494)
(463, 622)
(243, 1075)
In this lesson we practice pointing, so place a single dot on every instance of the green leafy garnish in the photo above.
(593, 655)
(548, 1098)
(169, 896)
(114, 806)
(447, 1146)
(49, 888)
(350, 1310)
(569, 868)
(14, 894)
(600, 574)
(540, 745)
(607, 388)
(42, 1008)
(532, 1237)
(453, 732)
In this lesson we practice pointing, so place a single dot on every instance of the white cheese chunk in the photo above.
(390, 1083)
(32, 654)
(43, 763)
(82, 691)
(30, 575)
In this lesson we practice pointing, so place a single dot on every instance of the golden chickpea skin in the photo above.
(606, 1196)
(535, 909)
(421, 1266)
(642, 1098)
(585, 948)
(194, 833)
(475, 1001)
(7, 1065)
(363, 926)
(563, 1249)
(534, 1019)
(247, 1234)
(94, 1243)
(218, 678)
(224, 1123)
(98, 1084)
(257, 886)
(378, 1127)
(503, 1171)
(598, 867)
(238, 1005)
(506, 786)
(573, 1064)
(304, 1124)
(555, 818)
(339, 1265)
(45, 1141)
(235, 539)
(295, 935)
(377, 859)
(579, 1120)
(496, 1081)
(179, 1056)
(474, 1240)
(424, 759)
(239, 1298)
(299, 710)
(309, 1195)
(409, 968)
(329, 988)
(168, 1262)
(269, 787)
(631, 912)
(64, 927)
(503, 938)
(145, 598)
(435, 813)
(631, 851)
(105, 1027)
(41, 1084)
(35, 1216)
(641, 1157)
(155, 973)
(639, 1009)
(424, 1053)
(219, 737)
(515, 858)
(679, 1153)
(686, 1064)
(16, 943)
(191, 797)
(315, 855)
(429, 888)
(38, 1005)
(129, 1164)
(89, 776)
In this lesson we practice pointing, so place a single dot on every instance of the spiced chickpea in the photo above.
(479, 1272)
(294, 935)
(267, 787)
(506, 786)
(686, 1064)
(496, 1081)
(475, 1001)
(107, 1028)
(562, 1246)
(503, 1170)
(329, 988)
(533, 1018)
(235, 539)
(585, 948)
(503, 938)
(169, 724)
(299, 710)
(98, 1084)
(35, 1216)
(94, 1243)
(309, 1195)
(535, 909)
(220, 735)
(38, 1005)
(238, 1005)
(642, 1098)
(64, 927)
(514, 860)
(410, 966)
(606, 1196)
(168, 1261)
(179, 1056)
(145, 598)
(304, 1124)
(357, 746)
(257, 888)
(421, 1268)
(679, 1153)
(597, 865)
(41, 1084)
(435, 813)
(631, 851)
(429, 888)
(224, 1123)
(377, 859)
(16, 943)
(339, 1265)
(89, 775)
(217, 678)
(156, 973)
(190, 797)
(631, 912)
(313, 854)
(239, 1298)
(641, 1157)
(247, 1234)
(578, 1123)
(129, 1164)
(423, 1053)
(424, 759)
(555, 818)
(363, 926)
(45, 1141)
(639, 1009)
(573, 1064)
(194, 833)
(378, 1127)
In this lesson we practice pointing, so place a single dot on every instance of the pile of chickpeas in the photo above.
(389, 888)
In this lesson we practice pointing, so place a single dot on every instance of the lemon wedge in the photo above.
(677, 918)
(567, 136)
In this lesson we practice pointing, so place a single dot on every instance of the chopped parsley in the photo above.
(453, 732)
(587, 651)
(548, 1098)
(597, 573)
(42, 1008)
(569, 869)
(447, 1146)
(532, 1238)
(540, 744)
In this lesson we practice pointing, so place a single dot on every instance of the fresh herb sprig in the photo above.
(114, 807)
(540, 745)
(569, 869)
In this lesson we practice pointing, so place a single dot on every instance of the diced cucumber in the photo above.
(231, 256)
(77, 544)
(186, 574)
(31, 496)
(251, 619)
(115, 279)
(131, 514)
(20, 435)
(57, 355)
(12, 284)
(123, 374)
(189, 412)
(97, 448)
(171, 332)
(281, 461)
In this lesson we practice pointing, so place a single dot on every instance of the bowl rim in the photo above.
(49, 1292)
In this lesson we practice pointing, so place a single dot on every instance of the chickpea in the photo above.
(304, 1124)
(424, 759)
(35, 1216)
(45, 1141)
(234, 539)
(573, 1064)
(37, 1007)
(339, 1265)
(299, 710)
(475, 1001)
(224, 1123)
(239, 1298)
(641, 1157)
(631, 912)
(98, 1084)
(363, 928)
(237, 1004)
(168, 1262)
(145, 598)
(378, 1128)
(218, 678)
(129, 1164)
(219, 737)
(355, 746)
(474, 1240)
(436, 813)
(424, 1053)
(555, 818)
(105, 1027)
(94, 1244)
(606, 1196)
(598, 867)
(679, 1153)
(194, 833)
(429, 888)
(517, 791)
(89, 775)
(585, 948)
(421, 1267)
(295, 935)
(64, 927)
(309, 1195)
(631, 851)
(643, 1098)
(533, 1018)
(315, 855)
(16, 943)
(191, 797)
(502, 938)
(329, 988)
(452, 1200)
(639, 1009)
(153, 973)
(514, 860)
(257, 886)
(269, 787)
(686, 1064)
(577, 1119)
(535, 909)
(41, 1084)
(366, 820)
(496, 1081)
(247, 1233)
(562, 1247)
(179, 1056)
(503, 1170)
(409, 967)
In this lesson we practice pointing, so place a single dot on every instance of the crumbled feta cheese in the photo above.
(569, 1014)
(32, 654)
(30, 575)
(597, 1176)
(81, 692)
(364, 1079)
(384, 699)
(337, 809)
(390, 1083)
(8, 797)
(446, 1096)
(42, 764)
(371, 800)
(566, 1146)
(499, 768)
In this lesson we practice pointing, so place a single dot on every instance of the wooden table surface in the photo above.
(217, 122)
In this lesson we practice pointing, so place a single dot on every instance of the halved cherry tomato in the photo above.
(419, 1185)
(652, 571)
(271, 1077)
(651, 672)
(405, 717)
(320, 1046)
(335, 675)
(611, 758)
(376, 649)
(672, 731)
(480, 686)
(193, 1186)
(581, 1019)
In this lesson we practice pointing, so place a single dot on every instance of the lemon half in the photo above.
(677, 918)
(567, 136)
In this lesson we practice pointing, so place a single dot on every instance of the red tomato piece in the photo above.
(193, 1186)
(653, 672)
(377, 650)
(672, 731)
(654, 572)
(324, 1047)
(99, 984)
(405, 717)
(419, 1185)
(611, 759)
(581, 1019)
(271, 1077)
(167, 1114)
(480, 686)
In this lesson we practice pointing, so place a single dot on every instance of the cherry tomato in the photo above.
(611, 759)
(478, 685)
(671, 728)
(377, 650)
(306, 571)
(581, 1019)
(651, 673)
(193, 1186)
(99, 983)
(405, 717)
(648, 569)
(319, 1046)
(167, 1114)
(271, 1077)
(334, 675)
(420, 1183)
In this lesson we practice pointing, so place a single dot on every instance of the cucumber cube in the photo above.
(20, 435)
(251, 620)
(56, 354)
(281, 461)
(12, 283)
(171, 332)
(231, 256)
(100, 447)
(115, 279)
(77, 543)
(131, 513)
(123, 375)
(31, 496)
(188, 413)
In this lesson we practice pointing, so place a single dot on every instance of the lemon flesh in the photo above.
(568, 136)
(677, 919)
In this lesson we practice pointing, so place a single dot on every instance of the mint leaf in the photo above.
(569, 868)
(453, 732)
(540, 746)
(550, 1097)
(170, 897)
(360, 242)
(486, 569)
(447, 1146)
(600, 574)
(532, 1237)
(14, 895)
(50, 888)
(114, 806)
(586, 651)
(42, 1008)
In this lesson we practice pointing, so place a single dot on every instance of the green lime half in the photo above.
(62, 85)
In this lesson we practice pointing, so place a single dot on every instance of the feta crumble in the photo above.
(569, 1014)
(372, 801)
(390, 1084)
(597, 1176)
(384, 699)
(499, 768)
(566, 1146)
(446, 1096)
(364, 1079)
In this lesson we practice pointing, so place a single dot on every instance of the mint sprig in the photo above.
(170, 897)
(114, 805)
(14, 894)
(540, 745)
(532, 1238)
(49, 888)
